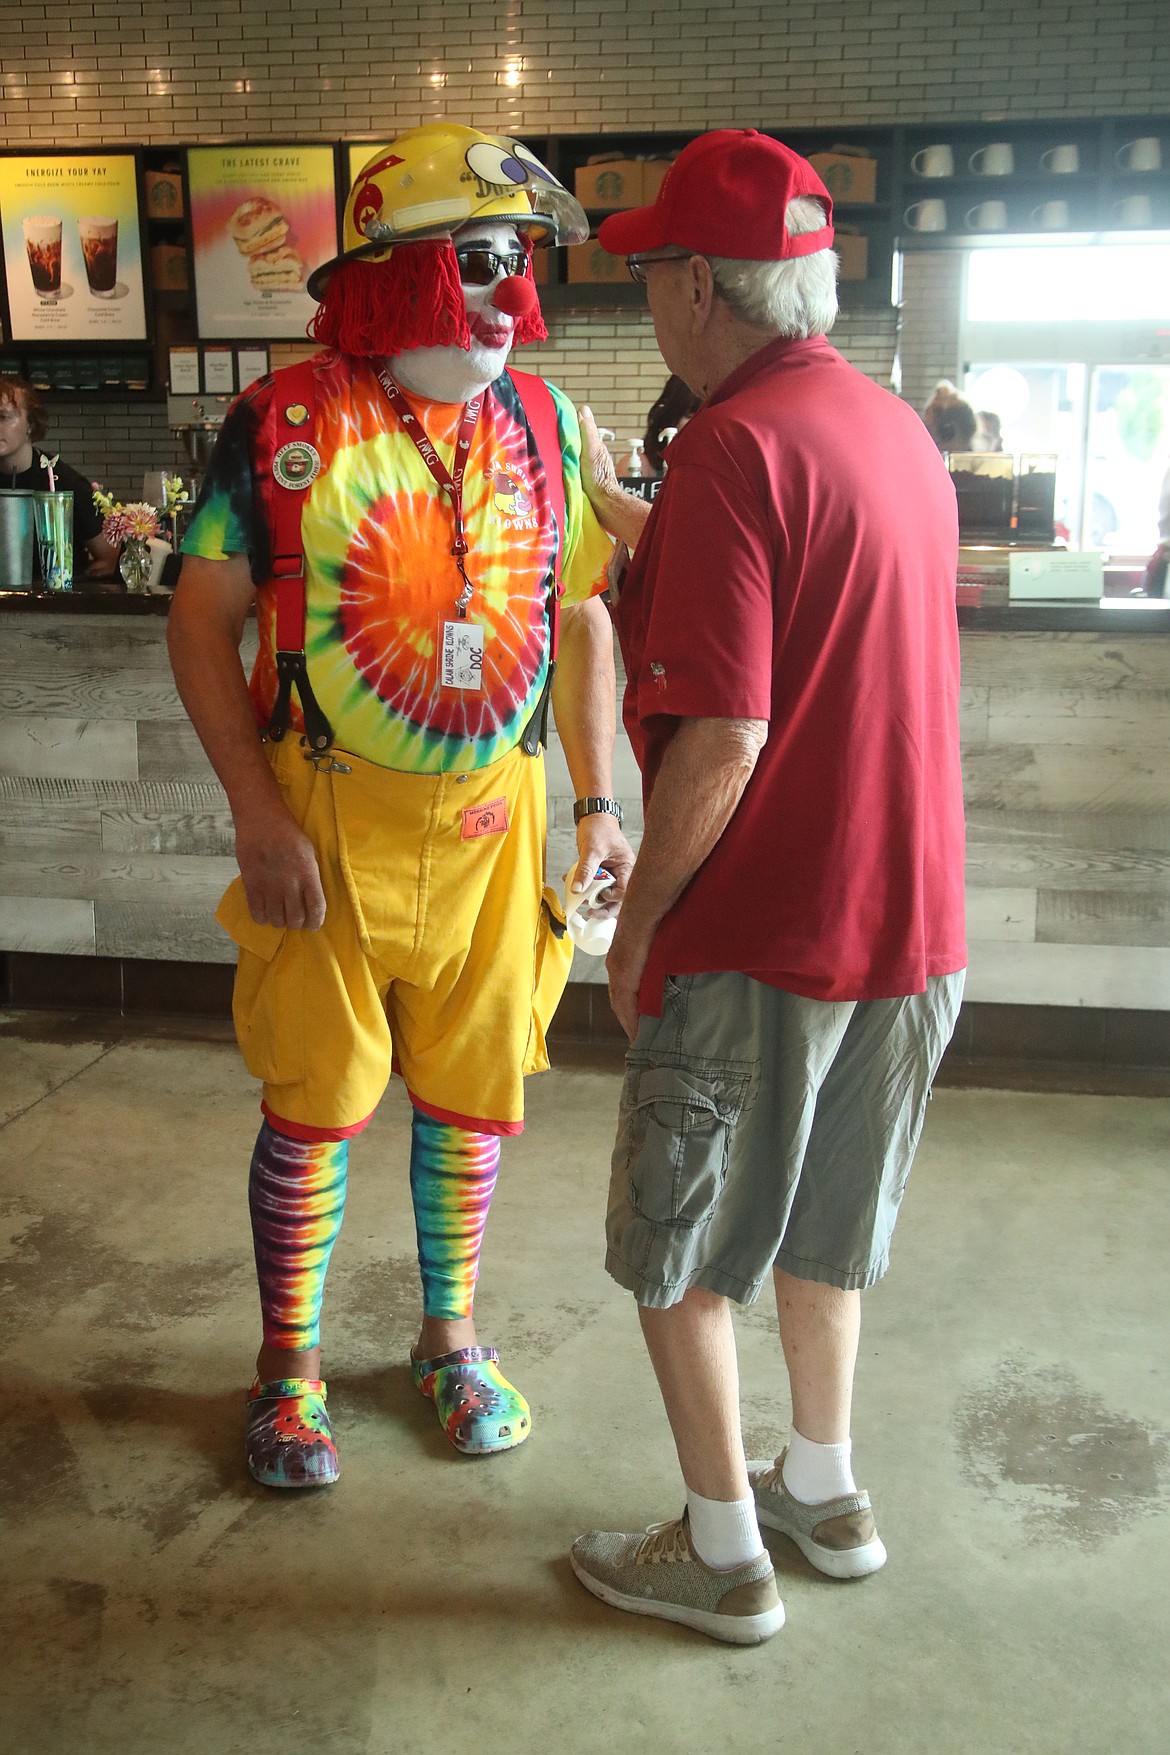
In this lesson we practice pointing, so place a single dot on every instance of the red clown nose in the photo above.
(515, 296)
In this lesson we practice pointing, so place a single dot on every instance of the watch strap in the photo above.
(591, 807)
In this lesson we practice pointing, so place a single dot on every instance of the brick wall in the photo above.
(152, 71)
(149, 70)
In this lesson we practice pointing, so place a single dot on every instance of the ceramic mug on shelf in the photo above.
(1133, 210)
(1050, 216)
(933, 161)
(996, 160)
(988, 216)
(1144, 154)
(1061, 159)
(927, 216)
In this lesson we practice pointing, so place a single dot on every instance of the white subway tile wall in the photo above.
(608, 359)
(149, 70)
(152, 71)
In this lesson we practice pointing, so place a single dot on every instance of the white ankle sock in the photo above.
(816, 1472)
(724, 1532)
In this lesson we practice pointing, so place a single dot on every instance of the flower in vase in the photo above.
(122, 521)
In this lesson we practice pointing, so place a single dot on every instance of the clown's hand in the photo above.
(623, 515)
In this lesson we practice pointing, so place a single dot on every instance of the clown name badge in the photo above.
(461, 665)
(296, 465)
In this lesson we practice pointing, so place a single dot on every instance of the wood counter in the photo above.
(115, 839)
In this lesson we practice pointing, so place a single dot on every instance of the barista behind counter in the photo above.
(22, 420)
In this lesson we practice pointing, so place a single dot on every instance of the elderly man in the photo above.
(407, 515)
(788, 958)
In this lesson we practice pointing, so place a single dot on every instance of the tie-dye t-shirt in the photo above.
(380, 577)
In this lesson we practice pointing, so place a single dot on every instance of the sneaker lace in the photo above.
(663, 1542)
(771, 1478)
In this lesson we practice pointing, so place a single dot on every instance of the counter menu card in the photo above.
(72, 247)
(262, 218)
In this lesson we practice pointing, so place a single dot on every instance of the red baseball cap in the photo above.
(726, 194)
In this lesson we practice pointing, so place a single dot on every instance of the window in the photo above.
(1070, 346)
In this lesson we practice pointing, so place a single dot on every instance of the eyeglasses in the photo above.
(481, 267)
(638, 265)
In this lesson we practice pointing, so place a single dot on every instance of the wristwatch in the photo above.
(591, 807)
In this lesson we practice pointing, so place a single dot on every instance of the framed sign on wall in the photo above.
(72, 233)
(262, 218)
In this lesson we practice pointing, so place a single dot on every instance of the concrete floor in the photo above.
(1011, 1425)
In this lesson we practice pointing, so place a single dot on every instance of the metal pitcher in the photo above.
(16, 539)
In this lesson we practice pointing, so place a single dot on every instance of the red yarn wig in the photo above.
(414, 298)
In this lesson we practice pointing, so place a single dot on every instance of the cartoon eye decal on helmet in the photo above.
(491, 164)
(532, 162)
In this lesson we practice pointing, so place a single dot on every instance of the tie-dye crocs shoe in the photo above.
(288, 1440)
(479, 1410)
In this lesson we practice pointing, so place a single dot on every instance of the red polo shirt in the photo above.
(799, 567)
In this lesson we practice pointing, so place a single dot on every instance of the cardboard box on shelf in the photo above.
(168, 268)
(852, 251)
(610, 185)
(164, 195)
(848, 173)
(653, 172)
(590, 263)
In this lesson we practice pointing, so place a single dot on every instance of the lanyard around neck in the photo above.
(451, 481)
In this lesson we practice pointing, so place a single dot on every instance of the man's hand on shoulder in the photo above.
(623, 515)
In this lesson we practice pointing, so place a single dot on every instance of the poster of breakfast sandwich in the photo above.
(72, 247)
(262, 218)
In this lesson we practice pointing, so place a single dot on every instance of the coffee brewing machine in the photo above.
(196, 420)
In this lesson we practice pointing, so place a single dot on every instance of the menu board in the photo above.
(72, 247)
(262, 218)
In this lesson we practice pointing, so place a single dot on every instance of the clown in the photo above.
(408, 519)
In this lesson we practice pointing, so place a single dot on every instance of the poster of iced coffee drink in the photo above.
(72, 247)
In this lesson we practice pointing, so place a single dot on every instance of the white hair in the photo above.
(796, 297)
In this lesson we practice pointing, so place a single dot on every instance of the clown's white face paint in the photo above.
(456, 374)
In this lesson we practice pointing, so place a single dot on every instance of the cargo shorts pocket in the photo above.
(267, 997)
(680, 1125)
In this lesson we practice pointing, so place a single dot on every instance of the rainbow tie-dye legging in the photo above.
(452, 1177)
(296, 1195)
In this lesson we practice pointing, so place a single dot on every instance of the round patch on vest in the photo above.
(296, 465)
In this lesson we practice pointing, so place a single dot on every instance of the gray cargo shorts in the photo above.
(760, 1129)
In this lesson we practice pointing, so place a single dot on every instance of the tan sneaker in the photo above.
(660, 1574)
(839, 1537)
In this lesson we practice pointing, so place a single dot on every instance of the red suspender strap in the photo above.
(294, 409)
(540, 410)
(295, 466)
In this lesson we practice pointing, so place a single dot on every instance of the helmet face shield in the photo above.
(433, 179)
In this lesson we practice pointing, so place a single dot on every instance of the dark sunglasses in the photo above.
(481, 267)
